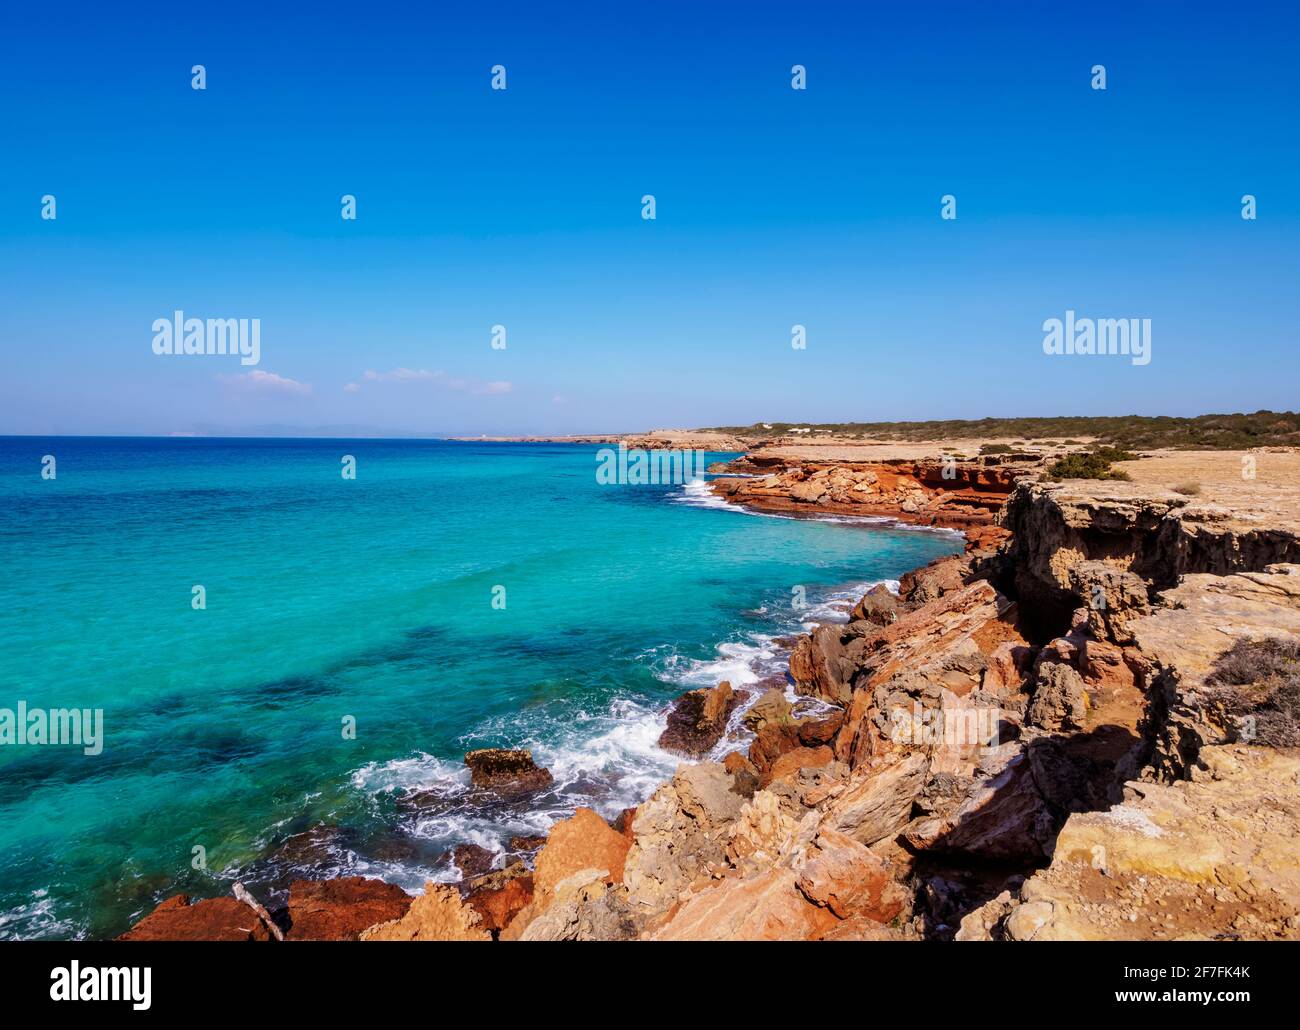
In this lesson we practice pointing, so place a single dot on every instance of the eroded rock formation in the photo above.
(1022, 744)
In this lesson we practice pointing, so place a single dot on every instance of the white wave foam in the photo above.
(38, 919)
(418, 771)
(738, 662)
(696, 494)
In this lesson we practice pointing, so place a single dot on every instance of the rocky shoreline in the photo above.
(1042, 738)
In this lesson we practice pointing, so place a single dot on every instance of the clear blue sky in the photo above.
(522, 207)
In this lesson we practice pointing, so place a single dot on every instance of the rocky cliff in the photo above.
(1030, 741)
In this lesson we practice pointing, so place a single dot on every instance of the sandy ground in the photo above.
(1212, 481)
(1222, 479)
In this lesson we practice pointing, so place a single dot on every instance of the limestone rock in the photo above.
(583, 841)
(771, 708)
(437, 915)
(679, 836)
(1060, 700)
(877, 802)
(1211, 857)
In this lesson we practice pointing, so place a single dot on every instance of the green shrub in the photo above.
(1085, 465)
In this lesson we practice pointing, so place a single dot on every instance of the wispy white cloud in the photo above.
(437, 376)
(261, 382)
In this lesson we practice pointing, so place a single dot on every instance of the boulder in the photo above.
(583, 841)
(771, 708)
(879, 606)
(823, 666)
(215, 919)
(932, 581)
(809, 492)
(744, 774)
(877, 803)
(698, 719)
(1008, 666)
(708, 793)
(1060, 701)
(585, 908)
(816, 732)
(506, 771)
(1003, 817)
(850, 880)
(680, 832)
(1113, 597)
(339, 909)
(771, 742)
(472, 860)
(789, 764)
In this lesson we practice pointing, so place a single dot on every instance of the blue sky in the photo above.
(522, 208)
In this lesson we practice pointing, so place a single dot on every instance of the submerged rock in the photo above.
(472, 860)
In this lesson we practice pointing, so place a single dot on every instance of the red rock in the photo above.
(339, 909)
(771, 742)
(743, 772)
(789, 764)
(584, 841)
(216, 919)
(623, 823)
(1007, 669)
(767, 907)
(1104, 666)
(815, 732)
(932, 581)
(850, 880)
(878, 606)
(497, 906)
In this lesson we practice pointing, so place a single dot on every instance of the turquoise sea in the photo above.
(372, 599)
